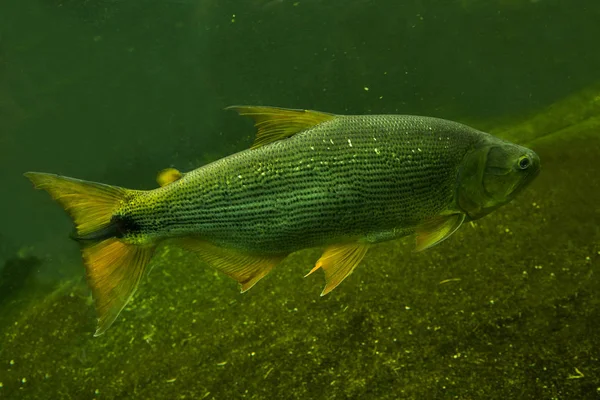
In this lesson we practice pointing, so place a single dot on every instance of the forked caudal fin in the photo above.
(113, 268)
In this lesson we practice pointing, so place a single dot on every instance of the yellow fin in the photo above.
(114, 270)
(244, 268)
(90, 204)
(275, 123)
(168, 175)
(338, 261)
(437, 229)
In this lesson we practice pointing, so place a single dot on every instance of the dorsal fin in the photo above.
(275, 123)
(168, 175)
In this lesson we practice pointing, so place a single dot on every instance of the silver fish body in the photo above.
(370, 178)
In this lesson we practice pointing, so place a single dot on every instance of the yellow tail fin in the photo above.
(114, 268)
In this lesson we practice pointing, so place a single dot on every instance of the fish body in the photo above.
(351, 178)
(311, 179)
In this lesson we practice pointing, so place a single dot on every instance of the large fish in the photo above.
(343, 182)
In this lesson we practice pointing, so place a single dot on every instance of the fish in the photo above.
(310, 179)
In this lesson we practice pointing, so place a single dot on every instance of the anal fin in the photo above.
(437, 229)
(247, 269)
(338, 261)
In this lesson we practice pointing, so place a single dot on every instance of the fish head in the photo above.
(492, 175)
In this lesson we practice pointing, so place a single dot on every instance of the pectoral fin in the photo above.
(437, 229)
(244, 268)
(338, 261)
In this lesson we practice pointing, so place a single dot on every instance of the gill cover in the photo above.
(492, 174)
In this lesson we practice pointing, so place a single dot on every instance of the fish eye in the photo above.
(524, 162)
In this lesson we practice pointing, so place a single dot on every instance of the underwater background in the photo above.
(114, 91)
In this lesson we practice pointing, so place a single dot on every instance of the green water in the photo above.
(114, 90)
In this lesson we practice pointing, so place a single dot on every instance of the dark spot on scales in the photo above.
(124, 225)
(118, 227)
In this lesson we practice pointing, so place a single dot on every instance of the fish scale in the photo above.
(351, 177)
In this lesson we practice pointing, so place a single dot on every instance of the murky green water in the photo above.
(114, 91)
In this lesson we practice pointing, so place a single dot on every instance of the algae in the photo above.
(577, 112)
(506, 308)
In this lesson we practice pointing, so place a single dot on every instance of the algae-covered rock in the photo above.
(576, 113)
